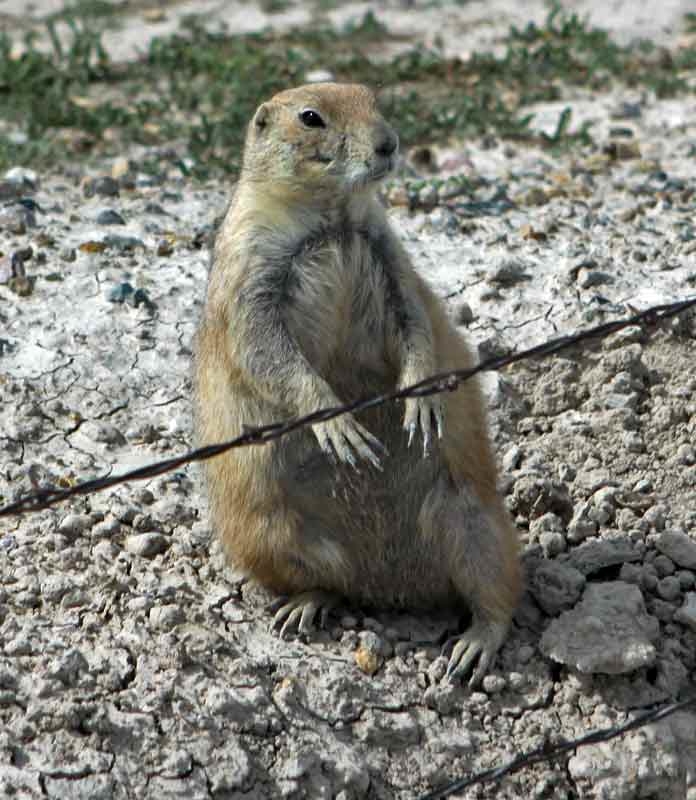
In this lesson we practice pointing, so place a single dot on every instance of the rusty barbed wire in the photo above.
(441, 382)
(549, 752)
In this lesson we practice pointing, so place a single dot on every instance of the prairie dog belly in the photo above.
(370, 518)
(336, 313)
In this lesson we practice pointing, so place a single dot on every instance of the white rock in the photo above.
(679, 547)
(609, 631)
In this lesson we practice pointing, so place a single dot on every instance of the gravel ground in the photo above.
(134, 663)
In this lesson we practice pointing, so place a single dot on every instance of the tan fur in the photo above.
(312, 301)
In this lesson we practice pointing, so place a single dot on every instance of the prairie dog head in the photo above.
(320, 139)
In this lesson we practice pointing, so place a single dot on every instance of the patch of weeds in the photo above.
(562, 137)
(214, 83)
(87, 9)
(37, 87)
(199, 88)
(368, 28)
(274, 6)
(568, 50)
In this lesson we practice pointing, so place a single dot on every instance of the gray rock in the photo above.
(20, 782)
(165, 617)
(594, 555)
(104, 186)
(686, 579)
(55, 586)
(668, 588)
(373, 643)
(631, 573)
(394, 729)
(24, 177)
(664, 566)
(655, 518)
(609, 631)
(74, 525)
(229, 770)
(534, 496)
(91, 787)
(108, 434)
(686, 454)
(147, 545)
(587, 278)
(110, 217)
(509, 272)
(192, 787)
(319, 76)
(123, 243)
(552, 543)
(68, 667)
(10, 190)
(556, 587)
(679, 547)
(642, 764)
(686, 615)
(493, 684)
(125, 293)
(582, 525)
(16, 219)
(463, 314)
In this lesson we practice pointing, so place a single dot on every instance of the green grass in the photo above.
(100, 10)
(200, 88)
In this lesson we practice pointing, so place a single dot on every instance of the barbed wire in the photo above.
(448, 381)
(549, 752)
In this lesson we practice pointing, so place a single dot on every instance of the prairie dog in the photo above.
(312, 302)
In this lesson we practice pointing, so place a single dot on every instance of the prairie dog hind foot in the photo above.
(474, 650)
(297, 614)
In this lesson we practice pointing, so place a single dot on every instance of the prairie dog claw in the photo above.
(423, 412)
(345, 439)
(299, 612)
(475, 651)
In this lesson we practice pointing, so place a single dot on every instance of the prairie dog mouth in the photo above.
(382, 168)
(370, 172)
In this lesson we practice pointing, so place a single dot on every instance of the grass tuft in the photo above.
(199, 88)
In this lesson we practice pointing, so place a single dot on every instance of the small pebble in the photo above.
(552, 543)
(686, 615)
(663, 565)
(669, 588)
(686, 579)
(166, 617)
(104, 186)
(368, 655)
(74, 525)
(110, 217)
(147, 545)
(493, 684)
(164, 247)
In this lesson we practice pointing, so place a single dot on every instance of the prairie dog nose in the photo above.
(386, 141)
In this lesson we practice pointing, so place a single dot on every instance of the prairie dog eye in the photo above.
(312, 118)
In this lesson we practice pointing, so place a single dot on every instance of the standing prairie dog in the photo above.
(313, 302)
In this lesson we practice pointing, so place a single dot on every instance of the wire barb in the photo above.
(444, 381)
(549, 753)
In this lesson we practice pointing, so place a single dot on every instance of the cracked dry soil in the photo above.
(135, 664)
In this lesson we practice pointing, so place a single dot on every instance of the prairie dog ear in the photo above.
(262, 117)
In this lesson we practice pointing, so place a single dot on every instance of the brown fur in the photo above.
(312, 301)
